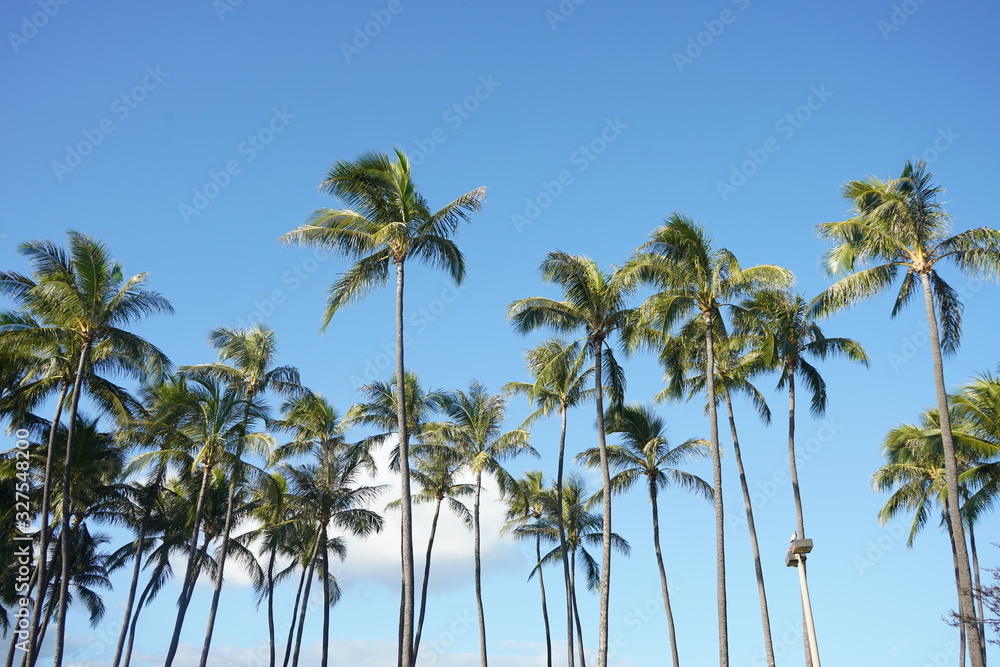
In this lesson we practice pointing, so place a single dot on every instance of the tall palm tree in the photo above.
(645, 452)
(696, 280)
(898, 224)
(250, 355)
(436, 470)
(560, 383)
(475, 430)
(81, 298)
(325, 494)
(526, 512)
(683, 359)
(792, 335)
(387, 223)
(213, 435)
(583, 526)
(596, 303)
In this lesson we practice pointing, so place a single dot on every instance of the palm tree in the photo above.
(324, 493)
(595, 302)
(683, 358)
(212, 426)
(388, 223)
(560, 383)
(899, 224)
(475, 430)
(791, 336)
(698, 280)
(914, 474)
(80, 300)
(436, 470)
(583, 527)
(251, 355)
(646, 453)
(526, 511)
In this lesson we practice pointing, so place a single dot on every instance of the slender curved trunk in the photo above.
(305, 602)
(663, 574)
(295, 611)
(479, 570)
(545, 611)
(961, 626)
(427, 576)
(325, 657)
(134, 584)
(224, 548)
(966, 605)
(720, 545)
(46, 532)
(602, 641)
(576, 608)
(135, 617)
(270, 605)
(567, 579)
(765, 617)
(800, 529)
(981, 615)
(406, 515)
(67, 476)
(187, 587)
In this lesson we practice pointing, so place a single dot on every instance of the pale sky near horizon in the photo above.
(189, 136)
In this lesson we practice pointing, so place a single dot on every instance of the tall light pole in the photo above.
(797, 558)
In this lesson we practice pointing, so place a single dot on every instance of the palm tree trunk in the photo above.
(479, 570)
(46, 530)
(751, 527)
(136, 569)
(545, 611)
(427, 576)
(800, 529)
(305, 600)
(270, 605)
(406, 515)
(981, 616)
(663, 574)
(576, 607)
(224, 548)
(325, 658)
(602, 641)
(961, 626)
(720, 546)
(567, 580)
(295, 611)
(135, 617)
(67, 475)
(189, 571)
(966, 605)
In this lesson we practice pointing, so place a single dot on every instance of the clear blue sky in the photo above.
(189, 136)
